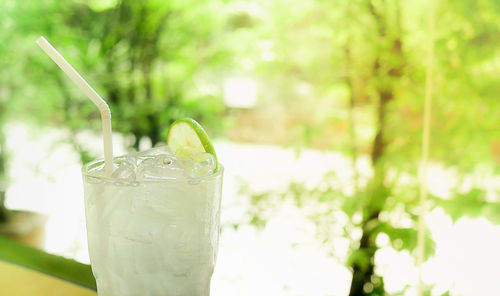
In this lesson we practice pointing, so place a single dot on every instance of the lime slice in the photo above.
(187, 137)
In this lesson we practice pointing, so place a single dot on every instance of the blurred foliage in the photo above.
(346, 75)
(364, 62)
(152, 61)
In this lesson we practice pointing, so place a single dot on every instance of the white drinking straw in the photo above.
(93, 96)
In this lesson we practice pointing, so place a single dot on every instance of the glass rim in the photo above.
(86, 173)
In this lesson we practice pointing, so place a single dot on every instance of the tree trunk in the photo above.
(3, 156)
(364, 280)
(3, 209)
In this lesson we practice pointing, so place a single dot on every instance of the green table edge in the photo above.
(53, 265)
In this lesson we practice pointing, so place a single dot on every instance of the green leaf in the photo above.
(69, 270)
(359, 257)
(406, 238)
(471, 204)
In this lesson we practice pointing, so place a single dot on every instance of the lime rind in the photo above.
(187, 137)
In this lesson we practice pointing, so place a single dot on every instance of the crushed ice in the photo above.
(159, 163)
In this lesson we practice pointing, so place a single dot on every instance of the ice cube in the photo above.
(157, 150)
(125, 170)
(199, 165)
(96, 170)
(160, 144)
(138, 157)
(160, 167)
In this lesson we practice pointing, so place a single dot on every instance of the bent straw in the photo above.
(91, 94)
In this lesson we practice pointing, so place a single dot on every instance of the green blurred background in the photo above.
(342, 78)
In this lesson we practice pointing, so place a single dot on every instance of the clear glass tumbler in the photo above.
(154, 237)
